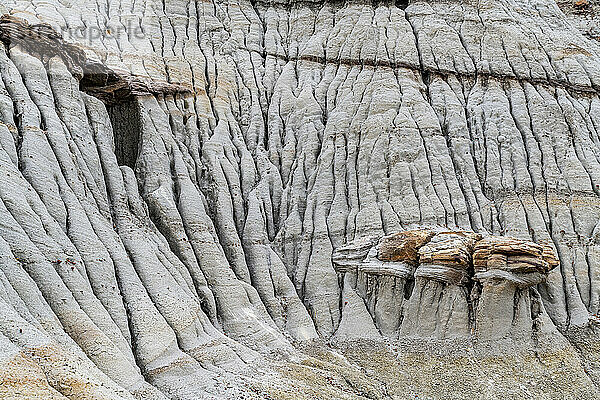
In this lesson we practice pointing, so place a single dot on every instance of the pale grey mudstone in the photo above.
(174, 261)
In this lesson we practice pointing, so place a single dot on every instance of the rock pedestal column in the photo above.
(439, 306)
(506, 269)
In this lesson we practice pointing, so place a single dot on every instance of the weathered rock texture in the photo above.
(465, 286)
(176, 175)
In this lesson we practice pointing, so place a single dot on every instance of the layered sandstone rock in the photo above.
(507, 268)
(521, 262)
(441, 279)
(480, 287)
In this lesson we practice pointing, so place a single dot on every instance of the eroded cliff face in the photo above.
(198, 198)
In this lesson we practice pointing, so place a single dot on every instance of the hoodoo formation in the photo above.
(299, 199)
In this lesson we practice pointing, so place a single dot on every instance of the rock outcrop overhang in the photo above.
(95, 78)
(442, 284)
(172, 234)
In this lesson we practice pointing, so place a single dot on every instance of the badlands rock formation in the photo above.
(444, 285)
(299, 199)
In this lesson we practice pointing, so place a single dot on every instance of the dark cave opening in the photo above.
(402, 4)
(126, 124)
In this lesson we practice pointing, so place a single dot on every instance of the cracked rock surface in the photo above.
(299, 199)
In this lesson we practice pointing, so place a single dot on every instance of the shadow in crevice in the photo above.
(126, 123)
(402, 4)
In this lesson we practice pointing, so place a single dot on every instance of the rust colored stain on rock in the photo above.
(404, 246)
